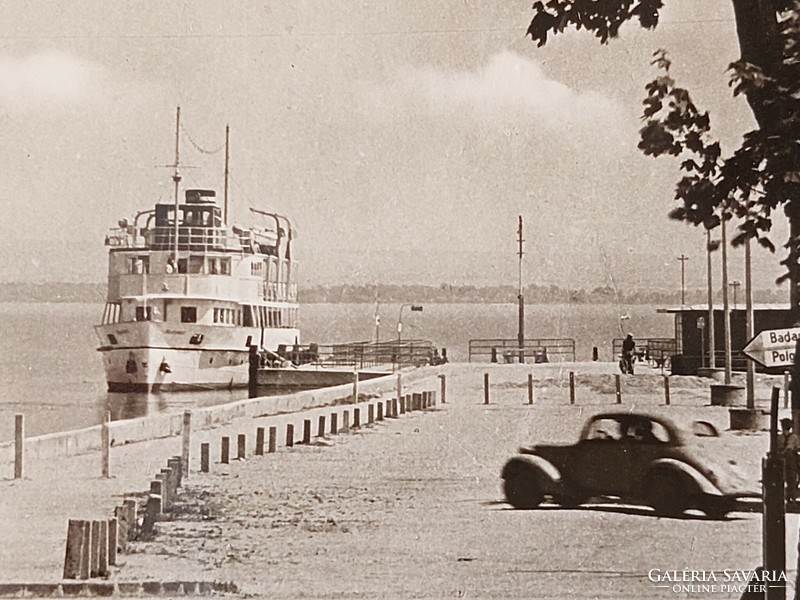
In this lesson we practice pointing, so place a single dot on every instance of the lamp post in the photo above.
(414, 308)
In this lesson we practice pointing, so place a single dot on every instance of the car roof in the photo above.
(675, 430)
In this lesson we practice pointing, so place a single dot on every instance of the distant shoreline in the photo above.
(23, 292)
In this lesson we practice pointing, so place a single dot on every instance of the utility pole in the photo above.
(749, 323)
(712, 342)
(726, 309)
(683, 260)
(520, 297)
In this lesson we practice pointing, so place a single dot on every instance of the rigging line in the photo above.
(610, 275)
(197, 146)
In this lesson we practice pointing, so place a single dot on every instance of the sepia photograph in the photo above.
(400, 299)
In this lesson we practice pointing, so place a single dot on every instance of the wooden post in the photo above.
(306, 431)
(187, 440)
(252, 373)
(380, 412)
(334, 423)
(424, 400)
(345, 421)
(225, 451)
(86, 550)
(123, 527)
(166, 500)
(105, 445)
(395, 409)
(486, 388)
(259, 441)
(289, 435)
(102, 555)
(774, 517)
(618, 388)
(443, 387)
(355, 386)
(666, 390)
(273, 440)
(112, 541)
(94, 568)
(19, 445)
(74, 549)
(151, 513)
(530, 388)
(399, 385)
(370, 413)
(131, 516)
(402, 405)
(356, 418)
(572, 387)
(321, 426)
(241, 449)
(175, 463)
(204, 452)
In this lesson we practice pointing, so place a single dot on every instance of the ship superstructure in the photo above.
(188, 295)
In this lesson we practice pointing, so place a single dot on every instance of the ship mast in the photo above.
(227, 157)
(176, 176)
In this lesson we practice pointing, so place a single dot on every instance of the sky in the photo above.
(403, 137)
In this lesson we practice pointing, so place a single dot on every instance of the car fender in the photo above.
(546, 474)
(701, 483)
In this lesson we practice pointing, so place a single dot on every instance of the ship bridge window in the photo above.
(144, 313)
(182, 265)
(111, 313)
(188, 314)
(225, 266)
(248, 317)
(139, 265)
(225, 315)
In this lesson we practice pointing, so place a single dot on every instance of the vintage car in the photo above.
(635, 457)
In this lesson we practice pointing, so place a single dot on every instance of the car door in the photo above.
(599, 462)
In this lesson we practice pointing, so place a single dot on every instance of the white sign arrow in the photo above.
(773, 347)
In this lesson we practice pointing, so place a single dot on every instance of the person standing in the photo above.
(628, 351)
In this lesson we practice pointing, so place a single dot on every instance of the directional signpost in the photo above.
(773, 347)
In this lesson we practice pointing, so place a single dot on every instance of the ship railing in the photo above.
(198, 239)
(360, 355)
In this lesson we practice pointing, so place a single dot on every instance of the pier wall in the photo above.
(79, 441)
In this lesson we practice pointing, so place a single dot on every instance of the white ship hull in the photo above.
(148, 357)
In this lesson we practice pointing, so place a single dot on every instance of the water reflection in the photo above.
(135, 405)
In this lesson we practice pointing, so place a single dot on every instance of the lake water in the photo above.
(51, 372)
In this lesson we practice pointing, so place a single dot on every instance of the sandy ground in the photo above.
(412, 508)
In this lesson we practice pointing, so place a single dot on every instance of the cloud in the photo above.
(507, 85)
(47, 77)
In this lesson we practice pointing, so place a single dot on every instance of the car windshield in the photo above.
(604, 429)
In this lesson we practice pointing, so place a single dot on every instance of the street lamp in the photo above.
(414, 308)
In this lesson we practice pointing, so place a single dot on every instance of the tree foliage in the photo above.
(763, 174)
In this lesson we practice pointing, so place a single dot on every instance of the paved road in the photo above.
(413, 509)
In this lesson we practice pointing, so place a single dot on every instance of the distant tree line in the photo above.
(444, 293)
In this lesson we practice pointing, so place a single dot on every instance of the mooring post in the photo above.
(356, 418)
(94, 569)
(252, 373)
(289, 435)
(595, 354)
(402, 405)
(370, 413)
(225, 450)
(187, 440)
(666, 390)
(204, 457)
(486, 388)
(102, 558)
(380, 411)
(395, 409)
(259, 441)
(174, 463)
(345, 421)
(572, 387)
(306, 431)
(112, 541)
(618, 388)
(334, 423)
(273, 440)
(19, 445)
(321, 426)
(74, 549)
(530, 388)
(86, 550)
(443, 387)
(241, 450)
(105, 444)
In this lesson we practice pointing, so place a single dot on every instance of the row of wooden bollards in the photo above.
(377, 411)
(92, 546)
(531, 388)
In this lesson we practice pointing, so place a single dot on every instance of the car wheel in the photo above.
(666, 493)
(716, 508)
(522, 491)
(569, 500)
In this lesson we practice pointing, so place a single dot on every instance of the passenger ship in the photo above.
(188, 295)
